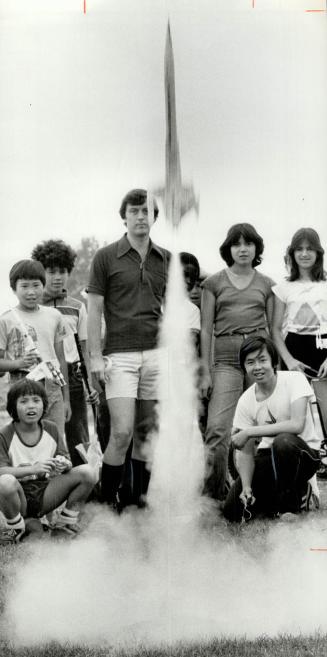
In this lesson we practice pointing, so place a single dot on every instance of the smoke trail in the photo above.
(178, 461)
(157, 575)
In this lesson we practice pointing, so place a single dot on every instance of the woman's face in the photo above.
(243, 252)
(305, 256)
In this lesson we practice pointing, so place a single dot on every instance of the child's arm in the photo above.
(62, 450)
(24, 363)
(59, 349)
(294, 425)
(244, 461)
(277, 336)
(40, 468)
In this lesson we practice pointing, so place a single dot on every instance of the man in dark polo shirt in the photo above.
(127, 284)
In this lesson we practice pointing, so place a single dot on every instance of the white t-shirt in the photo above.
(290, 386)
(45, 326)
(15, 453)
(306, 306)
(193, 315)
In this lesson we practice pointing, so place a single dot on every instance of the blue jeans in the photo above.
(77, 428)
(228, 383)
(227, 387)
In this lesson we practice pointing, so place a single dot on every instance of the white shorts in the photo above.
(134, 374)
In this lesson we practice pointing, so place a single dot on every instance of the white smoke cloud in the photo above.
(124, 583)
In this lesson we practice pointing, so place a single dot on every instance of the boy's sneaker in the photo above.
(322, 470)
(66, 524)
(9, 536)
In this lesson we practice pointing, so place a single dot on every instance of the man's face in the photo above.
(258, 366)
(137, 220)
(56, 279)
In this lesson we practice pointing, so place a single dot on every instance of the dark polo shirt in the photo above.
(133, 294)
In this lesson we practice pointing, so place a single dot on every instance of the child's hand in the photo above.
(247, 496)
(240, 439)
(67, 410)
(45, 468)
(205, 384)
(295, 365)
(29, 360)
(93, 397)
(62, 464)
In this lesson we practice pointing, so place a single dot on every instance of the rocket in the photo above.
(178, 198)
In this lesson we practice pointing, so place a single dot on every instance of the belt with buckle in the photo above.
(243, 335)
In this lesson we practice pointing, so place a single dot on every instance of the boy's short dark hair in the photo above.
(136, 197)
(253, 343)
(190, 259)
(27, 270)
(55, 253)
(21, 388)
(249, 233)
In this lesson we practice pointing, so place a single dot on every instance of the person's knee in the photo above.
(121, 436)
(8, 485)
(119, 441)
(217, 434)
(283, 443)
(86, 475)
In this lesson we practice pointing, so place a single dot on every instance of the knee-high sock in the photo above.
(141, 478)
(110, 479)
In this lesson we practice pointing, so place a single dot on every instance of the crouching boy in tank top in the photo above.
(36, 475)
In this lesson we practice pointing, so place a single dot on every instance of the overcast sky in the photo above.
(82, 119)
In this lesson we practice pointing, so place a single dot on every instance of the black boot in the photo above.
(110, 481)
(141, 478)
(125, 494)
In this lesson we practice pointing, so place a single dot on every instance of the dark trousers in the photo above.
(303, 348)
(280, 478)
(77, 428)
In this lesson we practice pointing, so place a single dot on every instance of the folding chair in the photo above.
(320, 391)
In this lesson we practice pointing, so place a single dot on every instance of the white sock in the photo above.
(70, 512)
(17, 522)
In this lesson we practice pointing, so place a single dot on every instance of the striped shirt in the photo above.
(75, 319)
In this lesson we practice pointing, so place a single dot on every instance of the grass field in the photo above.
(282, 647)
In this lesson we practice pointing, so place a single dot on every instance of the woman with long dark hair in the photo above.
(236, 302)
(299, 326)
